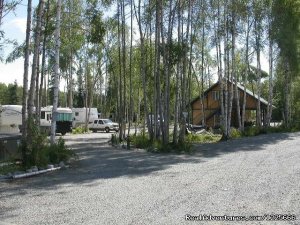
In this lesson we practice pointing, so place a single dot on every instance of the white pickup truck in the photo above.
(103, 125)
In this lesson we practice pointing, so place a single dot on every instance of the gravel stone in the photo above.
(246, 177)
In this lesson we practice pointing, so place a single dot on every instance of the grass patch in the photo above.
(9, 168)
(142, 141)
(203, 138)
(254, 131)
(79, 130)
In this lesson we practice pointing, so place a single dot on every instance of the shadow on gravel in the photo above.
(243, 144)
(98, 161)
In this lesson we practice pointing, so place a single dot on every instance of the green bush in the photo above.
(235, 133)
(141, 141)
(40, 152)
(78, 130)
(59, 152)
(114, 140)
(202, 138)
(50, 154)
(251, 131)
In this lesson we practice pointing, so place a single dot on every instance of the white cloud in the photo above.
(19, 23)
(12, 71)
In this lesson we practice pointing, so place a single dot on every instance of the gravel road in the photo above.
(247, 177)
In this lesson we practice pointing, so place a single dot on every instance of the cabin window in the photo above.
(76, 113)
(49, 117)
(216, 95)
(43, 115)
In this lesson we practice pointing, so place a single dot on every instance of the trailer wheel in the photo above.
(107, 129)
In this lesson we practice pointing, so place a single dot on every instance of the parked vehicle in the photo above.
(104, 125)
(63, 121)
(80, 115)
(10, 118)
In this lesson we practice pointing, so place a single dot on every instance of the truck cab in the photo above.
(103, 125)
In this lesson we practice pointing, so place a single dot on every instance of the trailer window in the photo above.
(43, 115)
(76, 113)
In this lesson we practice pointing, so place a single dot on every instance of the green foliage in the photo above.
(13, 93)
(251, 131)
(9, 168)
(79, 130)
(254, 131)
(114, 140)
(10, 94)
(235, 133)
(50, 154)
(203, 138)
(41, 152)
(141, 141)
(58, 152)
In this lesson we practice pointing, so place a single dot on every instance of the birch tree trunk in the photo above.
(35, 62)
(56, 72)
(131, 107)
(234, 71)
(258, 73)
(247, 71)
(271, 60)
(25, 83)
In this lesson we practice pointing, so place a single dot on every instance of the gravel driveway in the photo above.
(257, 176)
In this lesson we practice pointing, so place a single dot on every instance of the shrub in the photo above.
(141, 141)
(78, 130)
(235, 133)
(40, 152)
(59, 152)
(202, 138)
(251, 131)
(114, 140)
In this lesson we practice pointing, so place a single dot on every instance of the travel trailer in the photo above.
(81, 114)
(10, 118)
(63, 120)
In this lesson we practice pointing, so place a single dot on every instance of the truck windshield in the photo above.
(107, 121)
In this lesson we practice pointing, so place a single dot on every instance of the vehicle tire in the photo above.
(63, 133)
(107, 129)
(94, 131)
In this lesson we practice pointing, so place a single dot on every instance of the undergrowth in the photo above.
(39, 151)
(79, 130)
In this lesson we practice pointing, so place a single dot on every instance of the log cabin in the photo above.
(212, 107)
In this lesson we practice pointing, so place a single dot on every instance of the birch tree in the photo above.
(56, 72)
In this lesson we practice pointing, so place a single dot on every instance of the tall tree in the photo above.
(25, 82)
(56, 72)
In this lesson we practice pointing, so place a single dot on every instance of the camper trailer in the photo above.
(63, 120)
(81, 114)
(10, 118)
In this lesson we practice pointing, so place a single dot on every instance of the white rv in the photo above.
(81, 114)
(10, 118)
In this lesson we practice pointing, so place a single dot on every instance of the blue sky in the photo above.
(14, 26)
